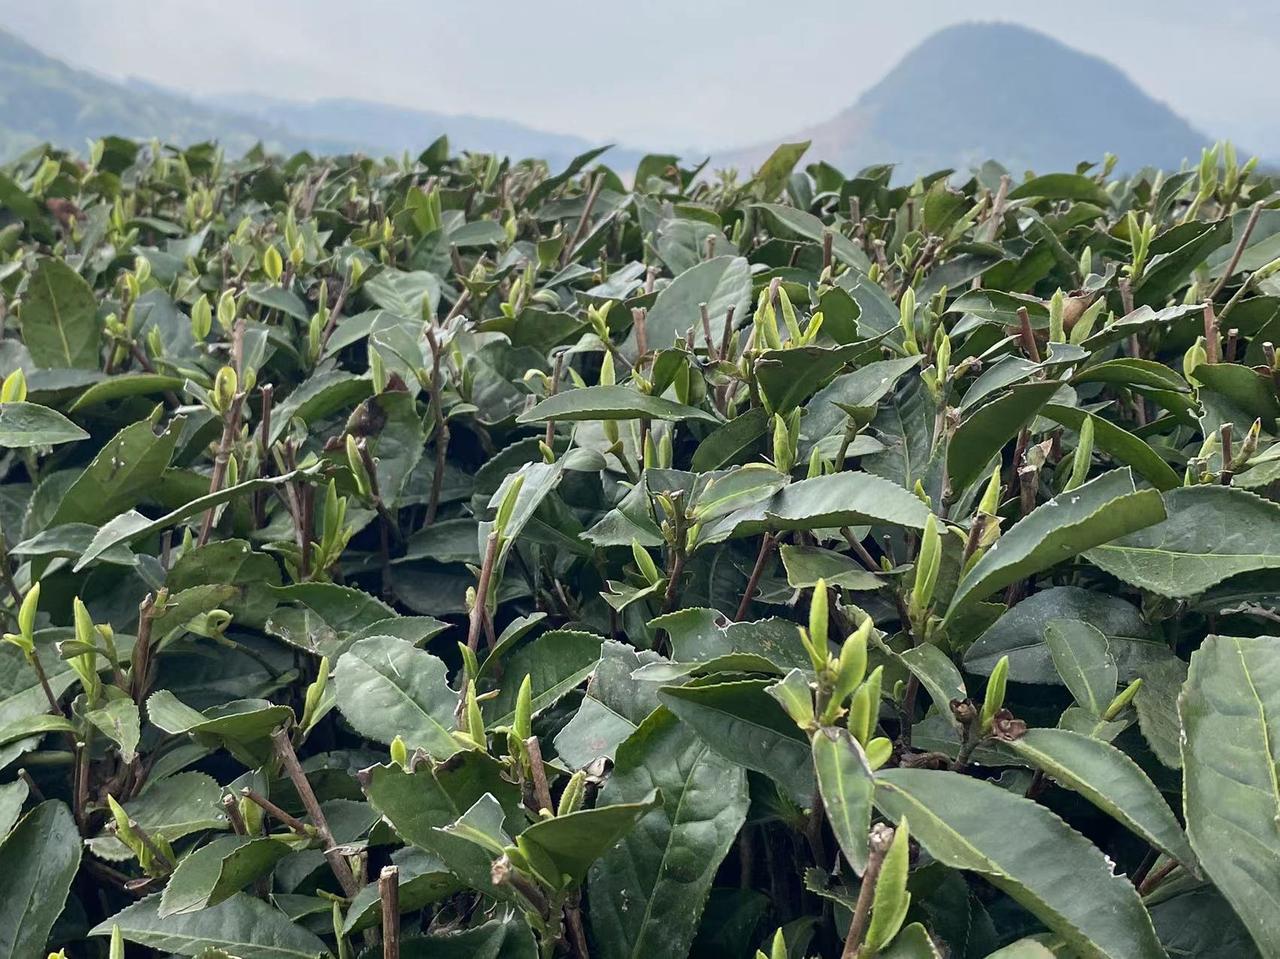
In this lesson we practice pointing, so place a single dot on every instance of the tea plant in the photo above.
(440, 557)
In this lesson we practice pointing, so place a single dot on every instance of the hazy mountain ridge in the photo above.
(43, 99)
(390, 129)
(976, 91)
(966, 94)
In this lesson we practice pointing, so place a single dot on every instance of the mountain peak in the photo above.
(976, 91)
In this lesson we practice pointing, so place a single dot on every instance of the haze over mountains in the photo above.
(966, 94)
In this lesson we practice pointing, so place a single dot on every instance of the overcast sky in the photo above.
(653, 73)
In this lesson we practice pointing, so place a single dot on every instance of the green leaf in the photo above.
(847, 786)
(1156, 703)
(743, 723)
(119, 722)
(1132, 371)
(739, 488)
(124, 385)
(648, 891)
(805, 565)
(36, 725)
(1120, 444)
(424, 879)
(720, 282)
(12, 797)
(420, 803)
(566, 846)
(60, 325)
(505, 938)
(132, 526)
(789, 377)
(1247, 389)
(243, 726)
(731, 442)
(937, 674)
(1083, 660)
(555, 663)
(217, 871)
(325, 617)
(1024, 949)
(845, 499)
(827, 412)
(1198, 923)
(970, 824)
(1069, 524)
(773, 173)
(279, 298)
(1174, 254)
(38, 860)
(412, 295)
(610, 403)
(24, 425)
(1019, 634)
(125, 471)
(811, 228)
(616, 703)
(1111, 781)
(1063, 186)
(984, 432)
(1211, 534)
(169, 809)
(386, 687)
(1230, 708)
(241, 926)
(912, 942)
(700, 635)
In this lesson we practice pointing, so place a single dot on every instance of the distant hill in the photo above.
(382, 128)
(45, 100)
(982, 90)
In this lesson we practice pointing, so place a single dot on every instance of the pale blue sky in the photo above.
(656, 73)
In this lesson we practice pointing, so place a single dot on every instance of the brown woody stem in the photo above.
(289, 760)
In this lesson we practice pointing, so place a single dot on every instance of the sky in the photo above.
(660, 74)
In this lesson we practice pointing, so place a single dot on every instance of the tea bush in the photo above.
(446, 558)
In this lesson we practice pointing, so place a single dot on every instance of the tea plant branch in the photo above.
(139, 678)
(583, 220)
(1152, 880)
(880, 840)
(7, 574)
(271, 809)
(538, 771)
(757, 572)
(283, 746)
(577, 935)
(80, 800)
(1238, 252)
(441, 423)
(157, 853)
(553, 389)
(230, 427)
(389, 895)
(232, 808)
(479, 611)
